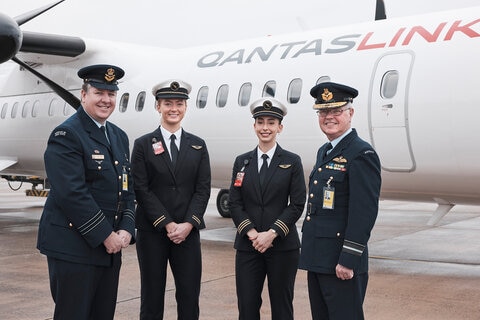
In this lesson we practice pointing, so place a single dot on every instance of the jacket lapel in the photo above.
(94, 131)
(272, 167)
(164, 157)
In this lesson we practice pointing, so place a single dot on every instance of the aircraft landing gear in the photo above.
(222, 203)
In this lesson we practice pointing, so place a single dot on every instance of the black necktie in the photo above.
(104, 133)
(173, 149)
(327, 148)
(263, 170)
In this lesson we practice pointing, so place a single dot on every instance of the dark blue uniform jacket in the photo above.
(340, 236)
(89, 196)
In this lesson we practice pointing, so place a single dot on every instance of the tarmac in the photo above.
(417, 272)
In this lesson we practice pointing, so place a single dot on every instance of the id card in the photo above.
(328, 197)
(157, 147)
(239, 179)
(124, 179)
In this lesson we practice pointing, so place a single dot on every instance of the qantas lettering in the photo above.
(338, 45)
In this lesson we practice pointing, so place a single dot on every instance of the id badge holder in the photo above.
(239, 178)
(124, 179)
(328, 195)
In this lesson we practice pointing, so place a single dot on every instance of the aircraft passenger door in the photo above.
(388, 109)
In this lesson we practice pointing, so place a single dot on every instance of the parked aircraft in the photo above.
(417, 77)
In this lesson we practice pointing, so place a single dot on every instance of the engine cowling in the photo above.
(11, 38)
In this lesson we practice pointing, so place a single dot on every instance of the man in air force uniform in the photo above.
(342, 207)
(89, 214)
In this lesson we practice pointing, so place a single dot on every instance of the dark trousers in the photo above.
(280, 268)
(335, 299)
(155, 251)
(82, 291)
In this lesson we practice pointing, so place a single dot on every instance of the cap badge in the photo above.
(267, 104)
(110, 75)
(174, 85)
(327, 95)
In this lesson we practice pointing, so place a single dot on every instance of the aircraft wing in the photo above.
(6, 162)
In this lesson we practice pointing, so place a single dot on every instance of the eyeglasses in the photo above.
(333, 112)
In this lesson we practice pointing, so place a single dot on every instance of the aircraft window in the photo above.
(124, 102)
(140, 103)
(67, 109)
(35, 109)
(323, 79)
(389, 85)
(55, 107)
(294, 90)
(269, 89)
(14, 110)
(245, 94)
(202, 97)
(25, 109)
(222, 95)
(4, 110)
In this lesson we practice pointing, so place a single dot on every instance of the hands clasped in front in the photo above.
(178, 232)
(116, 241)
(261, 241)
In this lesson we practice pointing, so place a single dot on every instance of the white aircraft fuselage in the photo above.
(417, 105)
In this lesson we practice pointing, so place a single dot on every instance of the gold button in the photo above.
(70, 225)
(116, 162)
(119, 177)
(338, 234)
(116, 217)
(308, 218)
(315, 182)
(99, 168)
(311, 195)
(120, 193)
(319, 169)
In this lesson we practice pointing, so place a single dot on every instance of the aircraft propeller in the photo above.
(13, 40)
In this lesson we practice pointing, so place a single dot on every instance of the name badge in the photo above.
(158, 147)
(239, 179)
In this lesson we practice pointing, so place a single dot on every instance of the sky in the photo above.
(185, 23)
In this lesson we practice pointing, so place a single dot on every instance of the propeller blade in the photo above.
(25, 17)
(63, 93)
